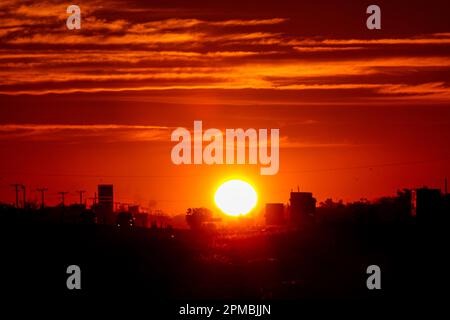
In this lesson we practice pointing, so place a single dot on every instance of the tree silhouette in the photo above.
(196, 217)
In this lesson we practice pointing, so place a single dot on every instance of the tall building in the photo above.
(302, 208)
(274, 214)
(105, 211)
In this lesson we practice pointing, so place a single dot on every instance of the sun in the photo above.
(236, 197)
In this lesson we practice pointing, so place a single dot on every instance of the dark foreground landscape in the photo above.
(323, 262)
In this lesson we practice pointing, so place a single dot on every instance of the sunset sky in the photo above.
(361, 112)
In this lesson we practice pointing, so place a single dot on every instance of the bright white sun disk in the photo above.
(236, 197)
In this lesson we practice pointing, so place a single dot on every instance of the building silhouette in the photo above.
(105, 208)
(302, 208)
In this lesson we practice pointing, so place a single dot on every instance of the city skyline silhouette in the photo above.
(172, 157)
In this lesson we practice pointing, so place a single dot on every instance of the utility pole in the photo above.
(24, 196)
(62, 194)
(94, 199)
(81, 196)
(42, 190)
(16, 186)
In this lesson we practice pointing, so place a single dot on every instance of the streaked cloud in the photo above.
(111, 133)
(193, 50)
(326, 49)
(432, 39)
(73, 133)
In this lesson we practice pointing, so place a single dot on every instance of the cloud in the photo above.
(153, 49)
(254, 22)
(326, 49)
(174, 23)
(286, 142)
(431, 39)
(76, 132)
(109, 133)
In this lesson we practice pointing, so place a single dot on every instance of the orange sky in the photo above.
(361, 113)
